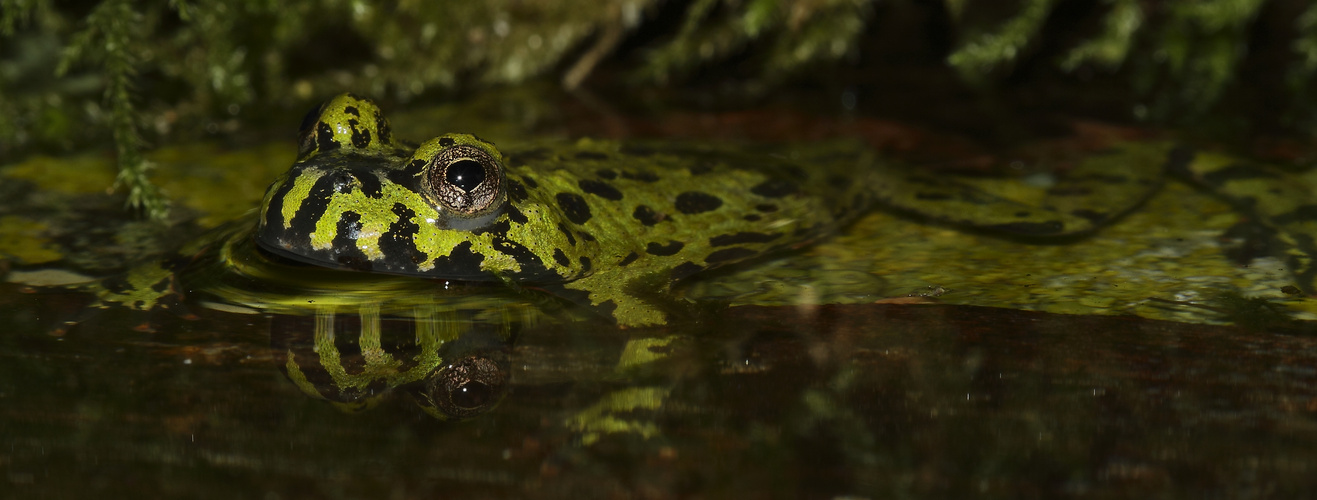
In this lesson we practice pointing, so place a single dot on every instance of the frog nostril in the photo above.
(344, 183)
(465, 174)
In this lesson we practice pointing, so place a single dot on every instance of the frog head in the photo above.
(358, 199)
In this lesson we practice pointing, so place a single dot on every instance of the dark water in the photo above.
(876, 401)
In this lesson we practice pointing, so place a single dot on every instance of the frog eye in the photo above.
(465, 179)
(467, 387)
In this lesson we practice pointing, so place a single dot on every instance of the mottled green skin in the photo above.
(603, 223)
(599, 222)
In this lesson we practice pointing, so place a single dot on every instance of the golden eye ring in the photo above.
(465, 179)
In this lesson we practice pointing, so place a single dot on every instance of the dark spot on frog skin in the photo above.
(516, 192)
(398, 243)
(607, 307)
(162, 285)
(641, 176)
(700, 168)
(601, 189)
(582, 298)
(312, 208)
(685, 269)
(694, 202)
(774, 188)
(522, 157)
(591, 155)
(461, 260)
(574, 207)
(585, 235)
(723, 240)
(344, 245)
(351, 110)
(447, 142)
(370, 186)
(530, 183)
(385, 134)
(117, 285)
(671, 248)
(516, 216)
(360, 137)
(499, 229)
(585, 264)
(275, 217)
(729, 254)
(766, 207)
(561, 258)
(631, 257)
(571, 240)
(531, 265)
(606, 173)
(325, 138)
(1022, 214)
(752, 217)
(647, 216)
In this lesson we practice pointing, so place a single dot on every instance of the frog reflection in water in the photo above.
(612, 226)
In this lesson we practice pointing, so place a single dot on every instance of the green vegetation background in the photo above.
(136, 73)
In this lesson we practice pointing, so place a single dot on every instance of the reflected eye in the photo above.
(468, 387)
(465, 179)
(472, 395)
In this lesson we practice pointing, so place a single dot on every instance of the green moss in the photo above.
(982, 53)
(792, 36)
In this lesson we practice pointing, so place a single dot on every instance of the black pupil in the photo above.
(471, 395)
(466, 174)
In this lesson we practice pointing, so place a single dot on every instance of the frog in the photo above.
(613, 225)
(371, 226)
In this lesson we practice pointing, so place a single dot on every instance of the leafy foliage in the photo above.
(139, 71)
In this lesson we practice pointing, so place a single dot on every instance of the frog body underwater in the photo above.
(606, 224)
